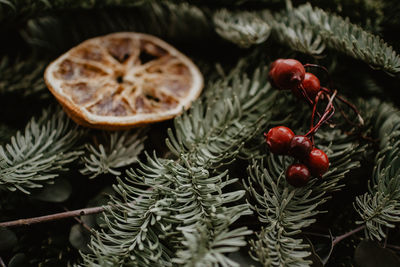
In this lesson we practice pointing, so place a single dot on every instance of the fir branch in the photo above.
(379, 208)
(232, 112)
(148, 223)
(285, 210)
(185, 194)
(5, 133)
(11, 10)
(296, 35)
(120, 149)
(23, 76)
(136, 223)
(204, 205)
(221, 242)
(37, 155)
(242, 28)
(52, 217)
(336, 33)
(172, 22)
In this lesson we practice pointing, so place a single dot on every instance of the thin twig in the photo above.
(352, 232)
(393, 246)
(2, 264)
(305, 95)
(316, 234)
(313, 113)
(386, 237)
(53, 217)
(329, 109)
(324, 69)
(81, 222)
(353, 107)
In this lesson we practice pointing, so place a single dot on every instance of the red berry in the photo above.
(300, 147)
(318, 162)
(286, 74)
(278, 139)
(310, 84)
(297, 175)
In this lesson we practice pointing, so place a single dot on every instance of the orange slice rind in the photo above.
(123, 80)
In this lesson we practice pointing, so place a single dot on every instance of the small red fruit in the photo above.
(297, 175)
(300, 146)
(278, 139)
(311, 85)
(318, 162)
(286, 74)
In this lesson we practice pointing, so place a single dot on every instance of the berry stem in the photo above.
(324, 69)
(305, 95)
(313, 113)
(329, 111)
(346, 117)
(353, 107)
(307, 98)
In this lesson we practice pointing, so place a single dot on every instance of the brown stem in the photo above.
(324, 69)
(366, 138)
(329, 110)
(53, 217)
(393, 246)
(346, 117)
(316, 234)
(313, 113)
(352, 232)
(386, 237)
(2, 264)
(353, 107)
(305, 95)
(344, 100)
(80, 222)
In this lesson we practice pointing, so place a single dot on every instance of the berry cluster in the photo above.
(312, 161)
(290, 74)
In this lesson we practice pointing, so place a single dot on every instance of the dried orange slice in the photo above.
(123, 80)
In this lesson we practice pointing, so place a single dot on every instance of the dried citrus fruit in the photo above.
(123, 80)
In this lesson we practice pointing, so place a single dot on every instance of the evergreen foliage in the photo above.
(186, 196)
(22, 76)
(196, 204)
(341, 35)
(284, 210)
(11, 10)
(120, 149)
(379, 208)
(38, 154)
(165, 19)
(309, 30)
(242, 28)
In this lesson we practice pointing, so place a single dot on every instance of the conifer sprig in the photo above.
(182, 211)
(111, 151)
(164, 19)
(11, 10)
(40, 153)
(336, 33)
(379, 208)
(308, 30)
(242, 28)
(22, 75)
(284, 210)
(188, 194)
(201, 250)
